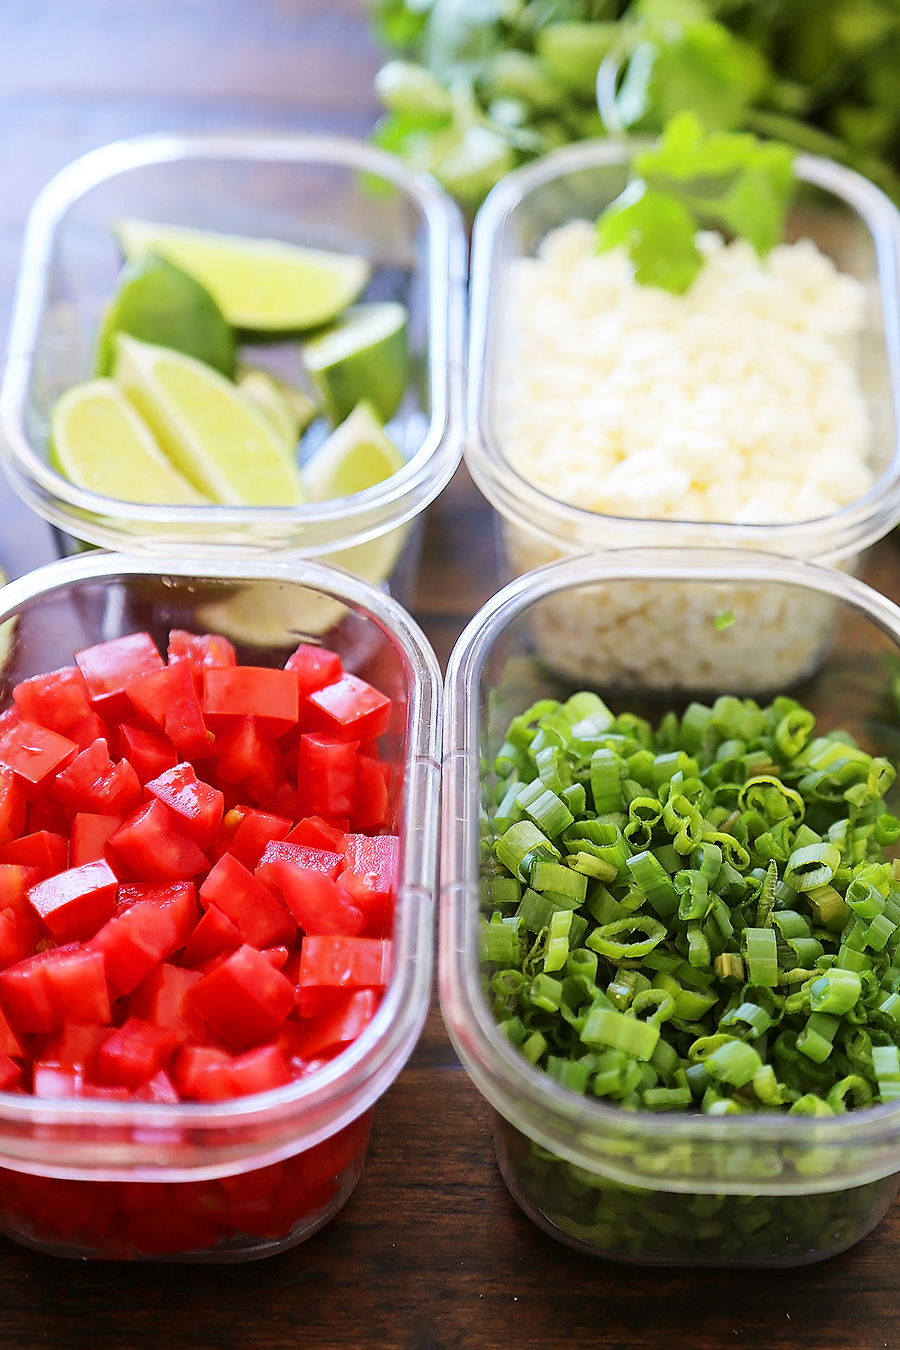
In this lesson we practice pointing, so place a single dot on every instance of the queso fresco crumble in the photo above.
(737, 402)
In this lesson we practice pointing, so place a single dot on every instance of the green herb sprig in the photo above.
(690, 180)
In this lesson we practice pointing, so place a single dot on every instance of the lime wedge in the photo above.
(364, 355)
(356, 456)
(289, 410)
(260, 284)
(157, 302)
(99, 442)
(217, 437)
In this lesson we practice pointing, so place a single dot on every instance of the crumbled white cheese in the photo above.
(736, 402)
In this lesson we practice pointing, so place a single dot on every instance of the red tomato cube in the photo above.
(243, 999)
(149, 847)
(161, 999)
(326, 775)
(44, 850)
(261, 920)
(345, 962)
(75, 903)
(254, 831)
(339, 1025)
(195, 806)
(110, 667)
(214, 935)
(87, 842)
(317, 902)
(149, 753)
(134, 942)
(65, 984)
(168, 699)
(12, 805)
(352, 709)
(134, 1053)
(59, 701)
(270, 695)
(34, 753)
(314, 667)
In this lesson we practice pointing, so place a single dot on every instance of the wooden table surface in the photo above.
(430, 1252)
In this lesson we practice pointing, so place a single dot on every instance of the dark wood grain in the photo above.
(430, 1253)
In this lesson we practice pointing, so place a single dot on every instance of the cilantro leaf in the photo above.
(658, 233)
(691, 180)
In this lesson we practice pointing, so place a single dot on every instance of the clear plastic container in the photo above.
(846, 216)
(682, 1189)
(248, 1177)
(318, 191)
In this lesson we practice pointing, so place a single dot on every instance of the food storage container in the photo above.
(316, 191)
(246, 1177)
(682, 1188)
(846, 216)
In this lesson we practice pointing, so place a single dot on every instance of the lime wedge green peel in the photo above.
(99, 442)
(356, 456)
(158, 302)
(364, 355)
(260, 284)
(218, 438)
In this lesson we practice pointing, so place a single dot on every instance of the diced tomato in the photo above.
(134, 942)
(200, 650)
(243, 999)
(19, 922)
(75, 903)
(12, 805)
(167, 699)
(34, 753)
(75, 1047)
(61, 985)
(177, 898)
(314, 667)
(93, 783)
(159, 1088)
(352, 709)
(43, 850)
(345, 962)
(10, 1043)
(51, 1081)
(10, 1074)
(318, 903)
(214, 935)
(150, 753)
(211, 1075)
(261, 920)
(326, 775)
(224, 840)
(149, 846)
(196, 807)
(317, 859)
(372, 800)
(87, 842)
(248, 755)
(110, 667)
(46, 813)
(313, 832)
(134, 1053)
(370, 877)
(161, 999)
(255, 830)
(276, 956)
(339, 1025)
(59, 701)
(270, 695)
